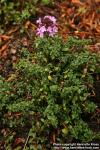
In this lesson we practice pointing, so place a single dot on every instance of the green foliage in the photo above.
(13, 12)
(45, 2)
(51, 90)
(17, 11)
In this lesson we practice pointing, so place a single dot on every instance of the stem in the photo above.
(26, 141)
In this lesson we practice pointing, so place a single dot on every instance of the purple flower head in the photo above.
(41, 30)
(55, 29)
(52, 30)
(46, 25)
(49, 29)
(52, 18)
(39, 21)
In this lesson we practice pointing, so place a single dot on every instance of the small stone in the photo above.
(13, 51)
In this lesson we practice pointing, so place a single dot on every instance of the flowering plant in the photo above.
(49, 95)
(47, 25)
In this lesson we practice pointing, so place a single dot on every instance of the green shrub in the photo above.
(51, 90)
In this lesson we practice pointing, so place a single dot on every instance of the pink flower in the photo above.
(52, 18)
(45, 27)
(49, 29)
(55, 29)
(41, 30)
(39, 21)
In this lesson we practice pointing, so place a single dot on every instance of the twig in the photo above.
(26, 141)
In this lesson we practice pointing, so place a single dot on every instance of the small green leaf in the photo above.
(65, 130)
(45, 2)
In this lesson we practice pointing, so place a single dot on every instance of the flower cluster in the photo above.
(46, 25)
